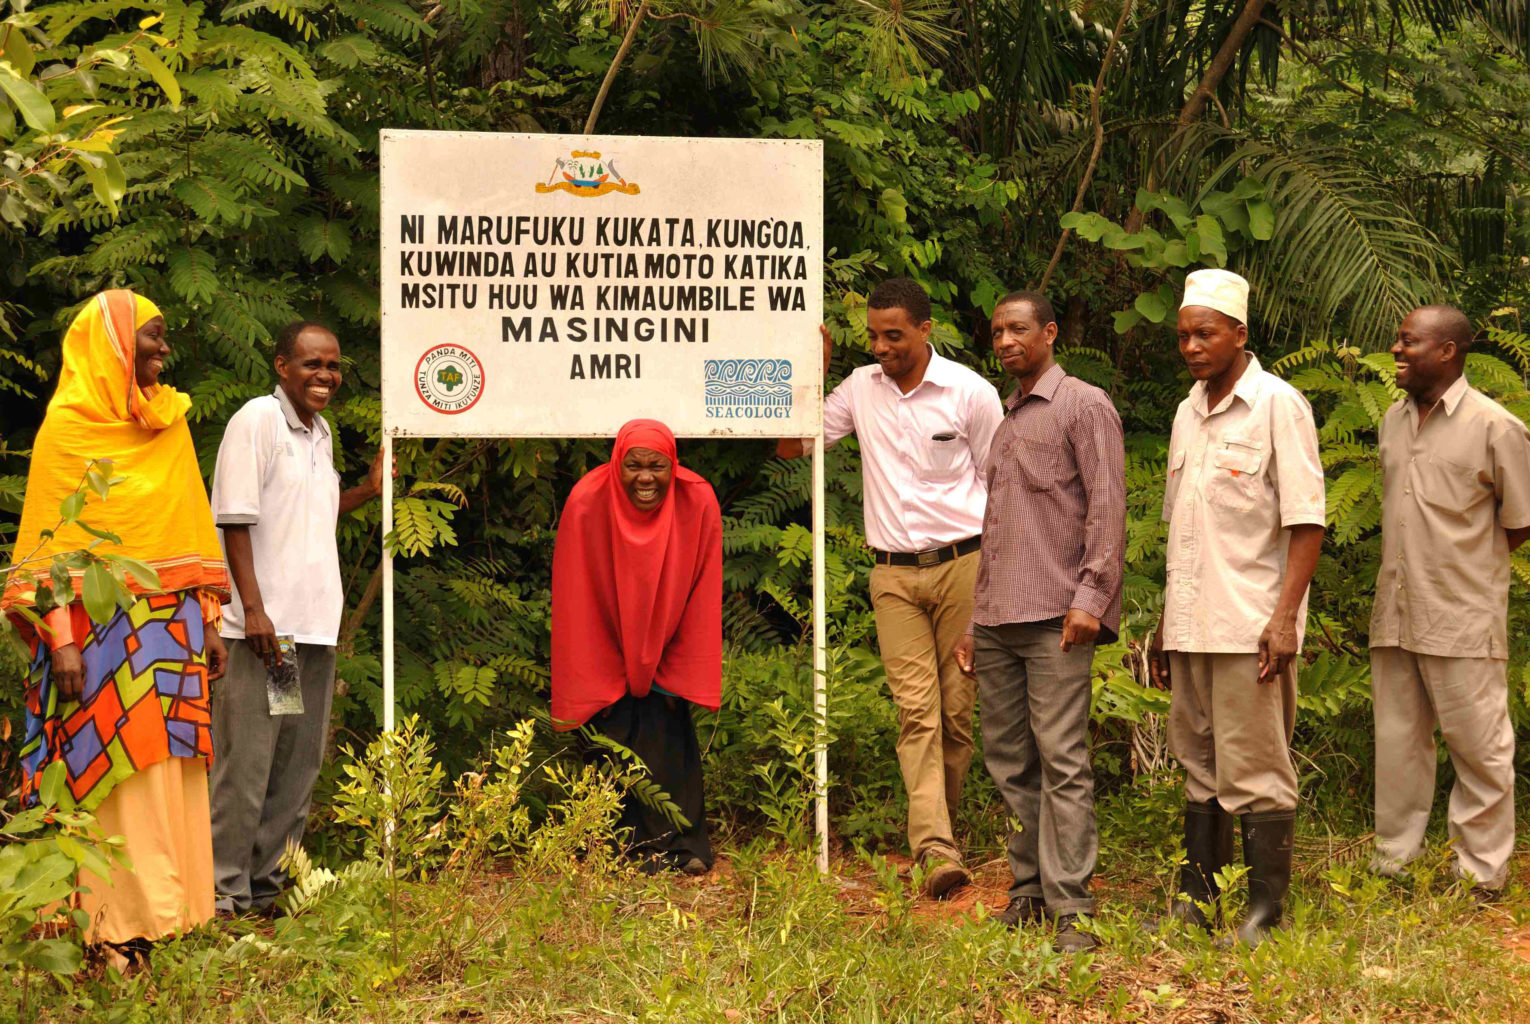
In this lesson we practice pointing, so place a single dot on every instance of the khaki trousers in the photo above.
(1231, 732)
(921, 613)
(1469, 698)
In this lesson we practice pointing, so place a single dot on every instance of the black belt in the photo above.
(934, 556)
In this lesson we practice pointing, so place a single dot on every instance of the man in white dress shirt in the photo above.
(924, 425)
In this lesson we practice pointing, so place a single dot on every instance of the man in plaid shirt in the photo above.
(1048, 587)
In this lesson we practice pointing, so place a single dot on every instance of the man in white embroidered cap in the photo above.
(1244, 503)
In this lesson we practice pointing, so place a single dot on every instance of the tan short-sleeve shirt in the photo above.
(1449, 492)
(1239, 477)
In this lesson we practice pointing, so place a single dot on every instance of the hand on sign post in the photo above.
(370, 489)
(792, 447)
(375, 471)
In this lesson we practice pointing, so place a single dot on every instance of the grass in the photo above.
(765, 938)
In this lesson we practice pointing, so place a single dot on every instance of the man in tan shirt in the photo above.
(1244, 502)
(1455, 502)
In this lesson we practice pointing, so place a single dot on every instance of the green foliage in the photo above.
(1230, 221)
(43, 849)
(552, 927)
(390, 794)
(59, 121)
(94, 576)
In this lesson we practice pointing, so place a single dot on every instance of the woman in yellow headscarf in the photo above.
(124, 703)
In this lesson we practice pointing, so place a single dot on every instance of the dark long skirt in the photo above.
(658, 729)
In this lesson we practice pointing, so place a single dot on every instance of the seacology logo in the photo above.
(748, 389)
(586, 173)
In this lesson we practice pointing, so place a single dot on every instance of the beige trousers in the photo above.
(1469, 698)
(921, 614)
(1231, 732)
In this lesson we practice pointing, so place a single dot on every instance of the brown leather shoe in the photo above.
(1023, 910)
(1069, 939)
(944, 878)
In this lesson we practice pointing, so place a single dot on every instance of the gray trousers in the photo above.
(1033, 703)
(1469, 699)
(263, 772)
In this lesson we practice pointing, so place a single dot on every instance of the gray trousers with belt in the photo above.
(1033, 703)
(263, 771)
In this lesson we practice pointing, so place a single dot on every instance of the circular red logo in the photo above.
(449, 379)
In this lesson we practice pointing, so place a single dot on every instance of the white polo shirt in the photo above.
(278, 477)
(919, 493)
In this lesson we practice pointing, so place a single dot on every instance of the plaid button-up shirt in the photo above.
(1054, 534)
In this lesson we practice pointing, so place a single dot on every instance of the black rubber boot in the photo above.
(1208, 849)
(1267, 839)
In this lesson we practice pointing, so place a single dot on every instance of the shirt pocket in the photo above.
(1449, 486)
(943, 456)
(1174, 474)
(1041, 466)
(1235, 481)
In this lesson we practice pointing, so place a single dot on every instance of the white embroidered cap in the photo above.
(1221, 290)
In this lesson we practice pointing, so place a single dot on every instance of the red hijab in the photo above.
(636, 596)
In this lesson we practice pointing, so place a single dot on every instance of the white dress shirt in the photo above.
(918, 493)
(278, 477)
(1239, 477)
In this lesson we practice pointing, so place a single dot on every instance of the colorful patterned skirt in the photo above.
(145, 699)
(135, 751)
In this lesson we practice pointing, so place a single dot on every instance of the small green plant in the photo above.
(1082, 980)
(391, 794)
(895, 896)
(42, 852)
(787, 785)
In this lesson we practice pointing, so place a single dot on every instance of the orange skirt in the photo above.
(162, 813)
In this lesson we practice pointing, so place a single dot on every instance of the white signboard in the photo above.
(559, 286)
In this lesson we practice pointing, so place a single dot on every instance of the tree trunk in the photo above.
(1099, 140)
(616, 63)
(1210, 81)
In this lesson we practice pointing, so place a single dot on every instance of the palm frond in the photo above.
(1346, 258)
(905, 31)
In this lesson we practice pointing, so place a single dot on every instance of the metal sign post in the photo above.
(561, 285)
(820, 663)
(387, 583)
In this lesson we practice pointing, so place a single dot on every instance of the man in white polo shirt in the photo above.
(277, 497)
(924, 425)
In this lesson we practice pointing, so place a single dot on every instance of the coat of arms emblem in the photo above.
(586, 173)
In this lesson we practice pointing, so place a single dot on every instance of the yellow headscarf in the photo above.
(98, 411)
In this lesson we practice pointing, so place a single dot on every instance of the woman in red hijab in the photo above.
(637, 627)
